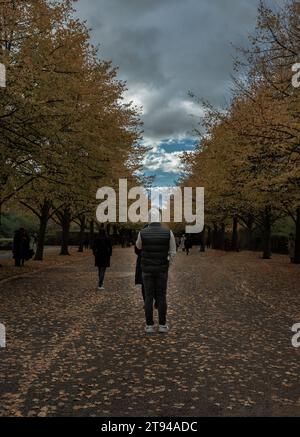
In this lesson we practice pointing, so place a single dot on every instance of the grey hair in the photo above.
(154, 215)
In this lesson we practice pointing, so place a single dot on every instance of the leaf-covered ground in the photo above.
(74, 350)
(51, 258)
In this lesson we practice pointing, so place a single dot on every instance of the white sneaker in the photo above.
(101, 288)
(163, 328)
(149, 329)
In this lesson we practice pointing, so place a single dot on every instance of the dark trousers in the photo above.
(144, 296)
(101, 275)
(155, 285)
(143, 293)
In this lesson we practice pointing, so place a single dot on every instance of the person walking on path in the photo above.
(182, 243)
(158, 248)
(187, 244)
(208, 239)
(21, 247)
(102, 250)
(34, 241)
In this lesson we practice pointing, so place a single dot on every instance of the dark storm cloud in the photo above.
(166, 47)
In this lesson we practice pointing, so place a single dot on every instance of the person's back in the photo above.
(155, 248)
(17, 247)
(101, 243)
(158, 247)
(21, 245)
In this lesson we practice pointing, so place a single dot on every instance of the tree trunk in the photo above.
(249, 233)
(202, 240)
(234, 238)
(81, 233)
(65, 220)
(92, 234)
(297, 239)
(267, 234)
(249, 239)
(214, 236)
(44, 217)
(222, 237)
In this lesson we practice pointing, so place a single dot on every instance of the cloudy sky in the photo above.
(163, 49)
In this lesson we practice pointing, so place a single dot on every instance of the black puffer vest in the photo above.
(155, 248)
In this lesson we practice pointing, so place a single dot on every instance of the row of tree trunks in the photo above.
(219, 241)
(65, 219)
(65, 222)
(218, 237)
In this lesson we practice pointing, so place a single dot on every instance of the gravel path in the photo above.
(75, 351)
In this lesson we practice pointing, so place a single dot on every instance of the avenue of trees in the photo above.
(248, 159)
(64, 129)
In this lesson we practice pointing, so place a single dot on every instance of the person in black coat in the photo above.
(188, 244)
(102, 250)
(21, 247)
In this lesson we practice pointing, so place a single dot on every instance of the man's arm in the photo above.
(172, 247)
(138, 242)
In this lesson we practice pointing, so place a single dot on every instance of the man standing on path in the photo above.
(158, 249)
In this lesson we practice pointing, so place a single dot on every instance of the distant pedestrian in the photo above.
(202, 241)
(158, 249)
(102, 250)
(21, 247)
(34, 241)
(208, 239)
(187, 244)
(291, 247)
(182, 243)
(177, 240)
